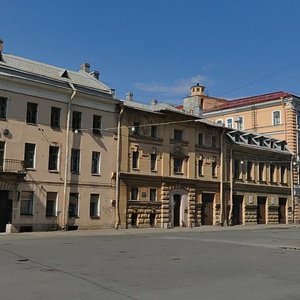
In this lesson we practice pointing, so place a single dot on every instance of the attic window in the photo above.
(65, 74)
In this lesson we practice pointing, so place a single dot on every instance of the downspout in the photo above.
(65, 206)
(230, 221)
(117, 211)
(223, 207)
(292, 190)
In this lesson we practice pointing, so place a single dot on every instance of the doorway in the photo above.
(261, 210)
(5, 210)
(282, 211)
(176, 209)
(207, 209)
(237, 210)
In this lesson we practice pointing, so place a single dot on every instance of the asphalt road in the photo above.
(226, 264)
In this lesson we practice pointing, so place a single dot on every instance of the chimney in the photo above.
(96, 74)
(1, 45)
(129, 96)
(85, 67)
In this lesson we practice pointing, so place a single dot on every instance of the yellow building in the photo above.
(53, 151)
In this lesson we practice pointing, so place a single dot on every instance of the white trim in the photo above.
(226, 124)
(273, 123)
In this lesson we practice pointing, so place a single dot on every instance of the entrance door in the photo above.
(261, 210)
(207, 209)
(5, 210)
(282, 211)
(237, 210)
(177, 202)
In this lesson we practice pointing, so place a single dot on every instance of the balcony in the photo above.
(12, 166)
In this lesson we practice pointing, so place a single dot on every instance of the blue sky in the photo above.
(158, 48)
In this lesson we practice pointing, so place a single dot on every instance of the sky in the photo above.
(157, 49)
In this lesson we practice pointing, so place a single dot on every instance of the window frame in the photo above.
(276, 120)
(97, 124)
(76, 211)
(32, 157)
(55, 117)
(48, 199)
(95, 214)
(178, 165)
(153, 191)
(178, 134)
(96, 163)
(31, 113)
(153, 162)
(134, 191)
(76, 120)
(75, 161)
(29, 208)
(135, 159)
(56, 158)
(227, 123)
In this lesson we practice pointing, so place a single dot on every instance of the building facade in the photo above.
(54, 153)
(178, 170)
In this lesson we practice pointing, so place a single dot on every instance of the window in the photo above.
(53, 158)
(200, 139)
(272, 173)
(229, 123)
(261, 169)
(2, 148)
(153, 131)
(95, 163)
(178, 135)
(94, 205)
(3, 107)
(73, 205)
(152, 194)
(178, 162)
(51, 204)
(31, 116)
(75, 160)
(26, 203)
(76, 120)
(213, 141)
(200, 167)
(153, 161)
(97, 123)
(249, 170)
(136, 128)
(134, 193)
(29, 157)
(135, 159)
(55, 118)
(283, 178)
(238, 169)
(276, 117)
(240, 123)
(219, 122)
(214, 169)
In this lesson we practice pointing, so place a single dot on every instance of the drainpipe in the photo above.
(117, 211)
(222, 198)
(65, 206)
(292, 190)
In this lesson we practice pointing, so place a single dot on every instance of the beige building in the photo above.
(176, 169)
(56, 159)
(275, 115)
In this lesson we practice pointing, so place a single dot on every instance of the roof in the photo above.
(32, 67)
(251, 100)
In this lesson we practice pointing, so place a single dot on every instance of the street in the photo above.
(260, 263)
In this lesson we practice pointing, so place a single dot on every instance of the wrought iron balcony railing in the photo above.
(12, 166)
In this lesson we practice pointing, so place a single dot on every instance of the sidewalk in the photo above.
(135, 231)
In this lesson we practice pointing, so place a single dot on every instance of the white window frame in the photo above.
(98, 164)
(273, 119)
(240, 123)
(231, 123)
(97, 215)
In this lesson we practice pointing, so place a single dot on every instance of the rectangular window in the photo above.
(229, 123)
(152, 194)
(135, 159)
(31, 116)
(53, 158)
(200, 167)
(26, 203)
(214, 169)
(178, 134)
(75, 160)
(153, 131)
(95, 163)
(51, 204)
(94, 206)
(200, 139)
(276, 117)
(134, 193)
(76, 120)
(178, 162)
(97, 123)
(249, 170)
(153, 162)
(73, 205)
(55, 118)
(29, 156)
(261, 169)
(3, 107)
(2, 148)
